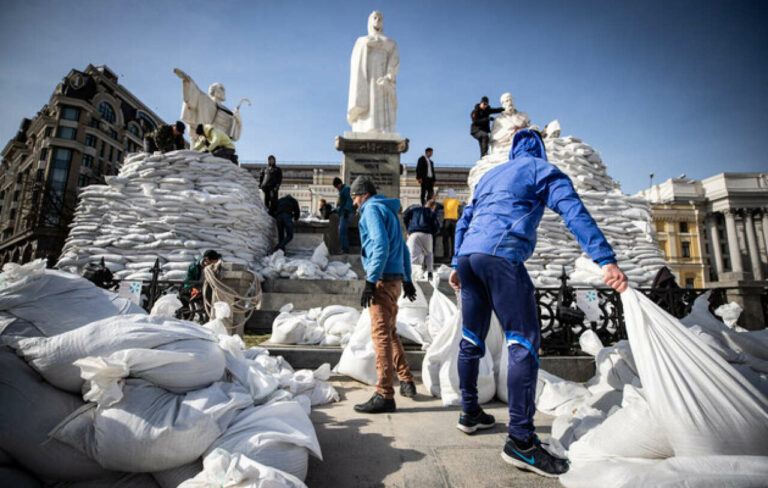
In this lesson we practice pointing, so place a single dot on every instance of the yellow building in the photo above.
(679, 231)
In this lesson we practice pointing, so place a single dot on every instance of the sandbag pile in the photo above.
(173, 206)
(99, 392)
(318, 267)
(625, 220)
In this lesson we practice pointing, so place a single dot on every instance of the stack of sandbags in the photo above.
(140, 394)
(318, 267)
(625, 220)
(172, 206)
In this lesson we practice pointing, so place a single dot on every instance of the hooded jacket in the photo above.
(509, 201)
(383, 249)
(421, 219)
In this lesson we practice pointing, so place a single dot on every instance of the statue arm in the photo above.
(393, 66)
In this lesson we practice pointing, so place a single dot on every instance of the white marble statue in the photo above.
(200, 108)
(506, 124)
(372, 87)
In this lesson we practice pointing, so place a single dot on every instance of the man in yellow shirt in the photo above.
(214, 141)
(450, 216)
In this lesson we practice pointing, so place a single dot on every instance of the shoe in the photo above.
(535, 459)
(478, 420)
(408, 389)
(429, 276)
(377, 404)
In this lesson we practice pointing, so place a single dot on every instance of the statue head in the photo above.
(375, 23)
(508, 102)
(217, 93)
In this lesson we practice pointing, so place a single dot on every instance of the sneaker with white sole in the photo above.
(469, 423)
(535, 459)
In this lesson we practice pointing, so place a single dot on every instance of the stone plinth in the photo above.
(375, 157)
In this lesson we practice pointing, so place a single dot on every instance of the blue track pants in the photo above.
(494, 283)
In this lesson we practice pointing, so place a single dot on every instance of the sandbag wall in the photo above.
(172, 206)
(625, 220)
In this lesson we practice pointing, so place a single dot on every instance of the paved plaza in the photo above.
(418, 446)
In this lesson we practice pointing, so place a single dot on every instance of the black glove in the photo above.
(367, 297)
(409, 291)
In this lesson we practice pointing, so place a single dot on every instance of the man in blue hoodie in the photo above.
(387, 269)
(494, 237)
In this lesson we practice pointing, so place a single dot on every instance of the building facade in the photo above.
(309, 183)
(80, 136)
(721, 220)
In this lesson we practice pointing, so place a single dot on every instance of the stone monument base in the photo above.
(375, 156)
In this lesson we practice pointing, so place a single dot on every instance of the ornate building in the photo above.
(77, 138)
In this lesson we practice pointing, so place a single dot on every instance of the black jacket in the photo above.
(421, 168)
(288, 205)
(325, 211)
(271, 177)
(481, 118)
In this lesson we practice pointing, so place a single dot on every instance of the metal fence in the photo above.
(562, 323)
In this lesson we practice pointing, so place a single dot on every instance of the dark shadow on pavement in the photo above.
(352, 458)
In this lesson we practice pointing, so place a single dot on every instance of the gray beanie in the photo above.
(362, 185)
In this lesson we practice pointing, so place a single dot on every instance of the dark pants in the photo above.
(483, 138)
(344, 230)
(284, 230)
(149, 145)
(226, 153)
(427, 189)
(493, 283)
(270, 200)
(449, 234)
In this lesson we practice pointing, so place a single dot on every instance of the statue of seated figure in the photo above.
(506, 124)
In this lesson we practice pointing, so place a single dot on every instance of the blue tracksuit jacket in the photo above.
(509, 202)
(421, 219)
(383, 249)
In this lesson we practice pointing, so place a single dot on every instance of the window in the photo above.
(48, 131)
(119, 155)
(95, 124)
(133, 130)
(101, 153)
(689, 282)
(19, 176)
(12, 215)
(66, 132)
(686, 249)
(146, 119)
(43, 154)
(87, 161)
(16, 195)
(39, 176)
(90, 140)
(60, 170)
(107, 112)
(684, 227)
(70, 113)
(82, 181)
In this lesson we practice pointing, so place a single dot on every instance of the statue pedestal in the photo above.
(375, 157)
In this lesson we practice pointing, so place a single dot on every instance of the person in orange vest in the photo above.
(450, 216)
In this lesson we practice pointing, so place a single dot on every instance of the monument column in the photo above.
(733, 240)
(376, 159)
(714, 241)
(754, 252)
(765, 226)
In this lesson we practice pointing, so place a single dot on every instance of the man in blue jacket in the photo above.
(387, 269)
(422, 226)
(494, 237)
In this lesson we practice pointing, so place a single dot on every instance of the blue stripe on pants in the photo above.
(493, 283)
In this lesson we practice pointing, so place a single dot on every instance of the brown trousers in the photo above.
(386, 342)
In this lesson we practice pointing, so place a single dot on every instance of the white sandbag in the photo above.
(413, 312)
(54, 357)
(278, 435)
(615, 367)
(358, 360)
(151, 429)
(441, 310)
(320, 255)
(166, 306)
(730, 313)
(224, 469)
(260, 376)
(55, 301)
(172, 478)
(590, 343)
(293, 328)
(696, 397)
(620, 434)
(30, 409)
(178, 367)
(704, 472)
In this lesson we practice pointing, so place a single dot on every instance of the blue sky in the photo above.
(663, 87)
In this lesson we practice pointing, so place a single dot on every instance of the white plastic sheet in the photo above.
(223, 469)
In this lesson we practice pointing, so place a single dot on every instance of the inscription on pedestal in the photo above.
(375, 159)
